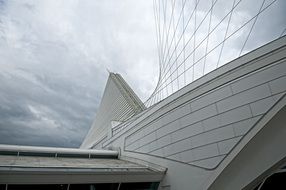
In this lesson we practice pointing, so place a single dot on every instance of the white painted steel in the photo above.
(54, 150)
(196, 131)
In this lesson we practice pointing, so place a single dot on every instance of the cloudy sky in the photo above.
(54, 56)
(53, 60)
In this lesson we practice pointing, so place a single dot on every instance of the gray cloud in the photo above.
(54, 56)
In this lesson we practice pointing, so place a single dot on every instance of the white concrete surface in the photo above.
(195, 132)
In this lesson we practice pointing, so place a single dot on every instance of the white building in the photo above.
(226, 130)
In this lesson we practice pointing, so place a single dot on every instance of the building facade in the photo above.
(224, 131)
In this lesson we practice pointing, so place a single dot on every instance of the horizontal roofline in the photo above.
(20, 150)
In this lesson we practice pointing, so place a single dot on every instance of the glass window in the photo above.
(38, 187)
(139, 186)
(2, 186)
(275, 181)
(98, 186)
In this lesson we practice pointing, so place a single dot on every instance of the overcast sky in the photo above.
(54, 56)
(53, 60)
